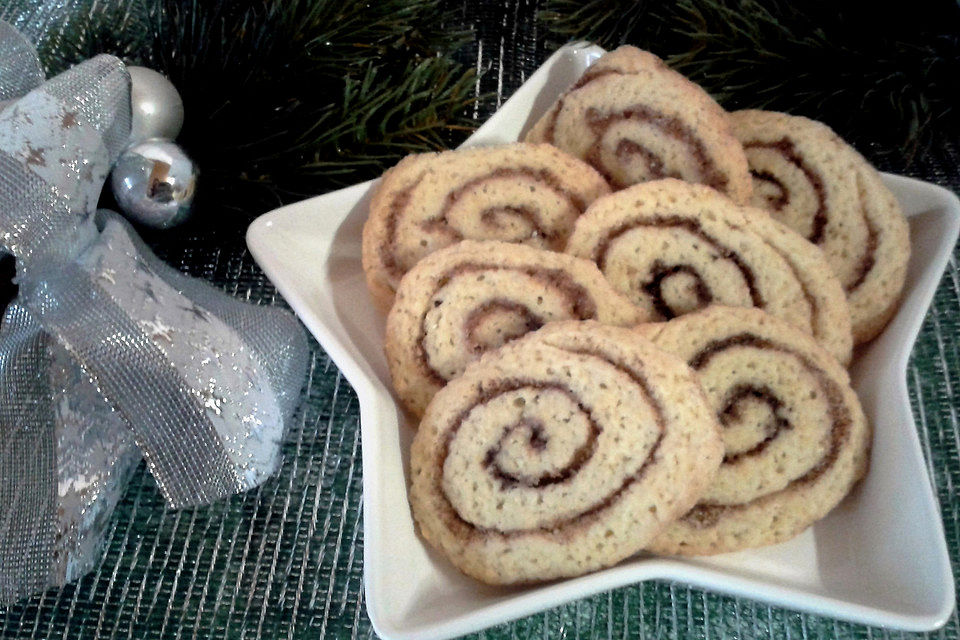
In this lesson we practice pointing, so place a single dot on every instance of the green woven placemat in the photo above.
(286, 560)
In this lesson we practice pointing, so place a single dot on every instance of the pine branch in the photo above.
(608, 23)
(286, 99)
(377, 120)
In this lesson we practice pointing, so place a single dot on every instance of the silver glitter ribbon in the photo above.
(107, 352)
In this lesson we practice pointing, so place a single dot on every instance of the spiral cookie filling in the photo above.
(474, 296)
(652, 166)
(795, 436)
(560, 453)
(812, 181)
(673, 248)
(656, 284)
(765, 179)
(634, 119)
(524, 193)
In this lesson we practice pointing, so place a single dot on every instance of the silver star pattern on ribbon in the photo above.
(109, 275)
(212, 353)
(69, 120)
(86, 171)
(157, 330)
(35, 156)
(251, 420)
(57, 144)
(209, 398)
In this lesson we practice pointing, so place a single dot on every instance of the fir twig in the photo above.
(295, 98)
(608, 23)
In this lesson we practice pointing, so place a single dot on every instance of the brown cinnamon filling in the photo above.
(868, 260)
(706, 514)
(661, 272)
(782, 198)
(491, 216)
(544, 176)
(731, 413)
(653, 287)
(589, 76)
(548, 134)
(785, 147)
(529, 321)
(538, 442)
(399, 202)
(628, 148)
(487, 392)
(581, 306)
(671, 126)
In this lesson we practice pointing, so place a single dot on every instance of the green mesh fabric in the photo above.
(287, 560)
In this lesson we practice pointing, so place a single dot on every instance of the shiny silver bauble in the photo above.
(153, 182)
(157, 107)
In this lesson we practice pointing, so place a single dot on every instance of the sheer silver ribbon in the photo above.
(108, 352)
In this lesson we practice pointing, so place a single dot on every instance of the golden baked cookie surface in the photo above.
(560, 453)
(462, 301)
(818, 185)
(635, 119)
(673, 248)
(524, 193)
(795, 436)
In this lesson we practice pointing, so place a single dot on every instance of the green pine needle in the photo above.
(608, 23)
(295, 98)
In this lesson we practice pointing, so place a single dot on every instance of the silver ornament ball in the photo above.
(154, 182)
(157, 107)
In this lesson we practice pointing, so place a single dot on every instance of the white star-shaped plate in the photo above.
(880, 558)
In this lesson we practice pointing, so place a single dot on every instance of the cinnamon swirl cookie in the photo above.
(812, 181)
(475, 296)
(635, 119)
(673, 247)
(796, 439)
(560, 453)
(523, 193)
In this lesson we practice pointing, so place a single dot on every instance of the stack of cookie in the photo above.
(629, 332)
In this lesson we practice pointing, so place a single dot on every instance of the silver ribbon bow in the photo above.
(107, 352)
